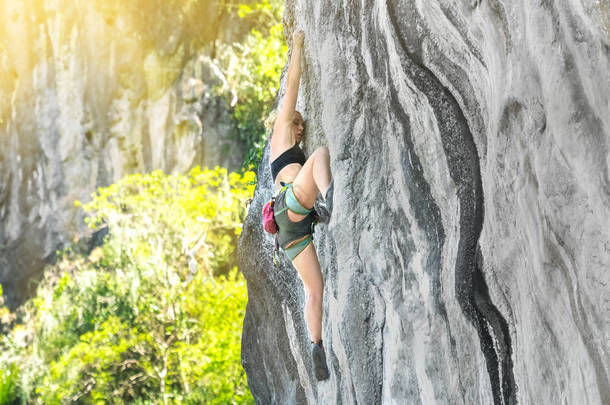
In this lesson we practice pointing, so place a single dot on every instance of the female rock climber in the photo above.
(299, 181)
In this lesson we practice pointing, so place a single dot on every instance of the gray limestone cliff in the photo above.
(87, 99)
(467, 259)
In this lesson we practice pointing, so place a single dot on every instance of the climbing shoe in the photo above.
(321, 213)
(319, 361)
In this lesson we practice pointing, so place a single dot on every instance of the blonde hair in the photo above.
(270, 121)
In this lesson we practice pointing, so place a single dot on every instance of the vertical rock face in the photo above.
(467, 258)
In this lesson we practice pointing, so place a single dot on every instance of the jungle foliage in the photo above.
(252, 70)
(154, 314)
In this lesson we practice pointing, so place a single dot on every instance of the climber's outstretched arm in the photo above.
(292, 82)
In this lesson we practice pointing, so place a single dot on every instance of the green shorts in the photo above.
(290, 231)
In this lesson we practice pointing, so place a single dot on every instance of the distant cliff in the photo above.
(467, 258)
(92, 91)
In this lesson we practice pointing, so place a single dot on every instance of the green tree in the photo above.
(252, 70)
(154, 314)
(9, 374)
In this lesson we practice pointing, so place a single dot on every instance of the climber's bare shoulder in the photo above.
(281, 140)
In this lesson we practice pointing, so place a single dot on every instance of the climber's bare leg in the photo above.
(308, 267)
(313, 177)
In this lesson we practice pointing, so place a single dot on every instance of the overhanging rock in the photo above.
(467, 258)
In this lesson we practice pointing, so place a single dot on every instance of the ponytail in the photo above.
(270, 121)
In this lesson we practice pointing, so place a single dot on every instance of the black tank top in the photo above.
(292, 155)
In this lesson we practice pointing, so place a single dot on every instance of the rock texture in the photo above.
(467, 258)
(85, 101)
